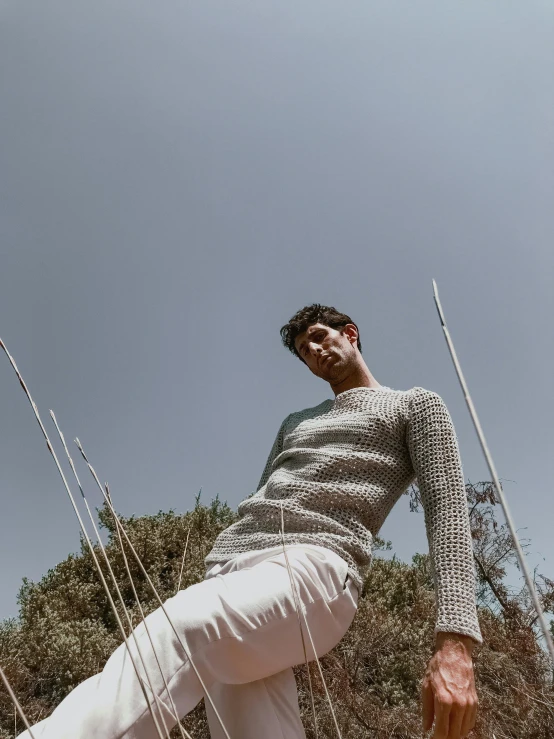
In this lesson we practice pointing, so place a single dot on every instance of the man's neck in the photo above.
(363, 379)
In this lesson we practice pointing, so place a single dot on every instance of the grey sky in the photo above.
(177, 179)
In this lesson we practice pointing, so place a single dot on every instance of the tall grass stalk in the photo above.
(83, 529)
(183, 562)
(298, 611)
(182, 730)
(151, 584)
(16, 703)
(492, 468)
(112, 575)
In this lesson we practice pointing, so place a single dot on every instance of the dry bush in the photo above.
(66, 631)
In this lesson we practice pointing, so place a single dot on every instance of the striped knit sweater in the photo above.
(339, 467)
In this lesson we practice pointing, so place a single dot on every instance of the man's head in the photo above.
(328, 342)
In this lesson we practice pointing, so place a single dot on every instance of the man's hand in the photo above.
(448, 691)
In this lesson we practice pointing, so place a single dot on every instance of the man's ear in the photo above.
(351, 332)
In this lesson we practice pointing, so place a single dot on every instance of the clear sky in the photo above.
(177, 179)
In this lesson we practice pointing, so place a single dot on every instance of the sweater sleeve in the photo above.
(435, 456)
(276, 449)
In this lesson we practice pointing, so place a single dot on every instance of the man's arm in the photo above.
(276, 449)
(448, 687)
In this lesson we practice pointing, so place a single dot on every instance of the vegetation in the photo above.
(66, 631)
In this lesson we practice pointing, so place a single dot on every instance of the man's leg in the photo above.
(239, 626)
(267, 707)
(264, 708)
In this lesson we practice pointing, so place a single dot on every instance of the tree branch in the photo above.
(503, 602)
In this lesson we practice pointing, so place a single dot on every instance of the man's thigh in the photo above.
(255, 632)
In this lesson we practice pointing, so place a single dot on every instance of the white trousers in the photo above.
(241, 629)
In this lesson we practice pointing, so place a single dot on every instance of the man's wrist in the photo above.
(454, 641)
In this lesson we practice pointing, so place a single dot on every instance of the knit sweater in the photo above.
(338, 468)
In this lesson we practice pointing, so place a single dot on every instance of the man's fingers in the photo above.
(469, 718)
(442, 719)
(457, 715)
(427, 701)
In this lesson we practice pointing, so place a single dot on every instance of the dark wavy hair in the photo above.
(306, 317)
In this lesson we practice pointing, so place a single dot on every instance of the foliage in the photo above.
(66, 631)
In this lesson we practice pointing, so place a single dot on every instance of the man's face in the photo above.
(328, 353)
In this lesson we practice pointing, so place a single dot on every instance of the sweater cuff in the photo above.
(472, 630)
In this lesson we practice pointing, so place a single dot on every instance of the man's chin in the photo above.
(328, 371)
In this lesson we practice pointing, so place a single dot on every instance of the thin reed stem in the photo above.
(83, 529)
(153, 587)
(183, 732)
(298, 611)
(183, 562)
(492, 468)
(15, 701)
(110, 570)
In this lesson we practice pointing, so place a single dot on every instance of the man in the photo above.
(334, 472)
(339, 468)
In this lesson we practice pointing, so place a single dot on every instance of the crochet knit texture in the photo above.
(339, 467)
